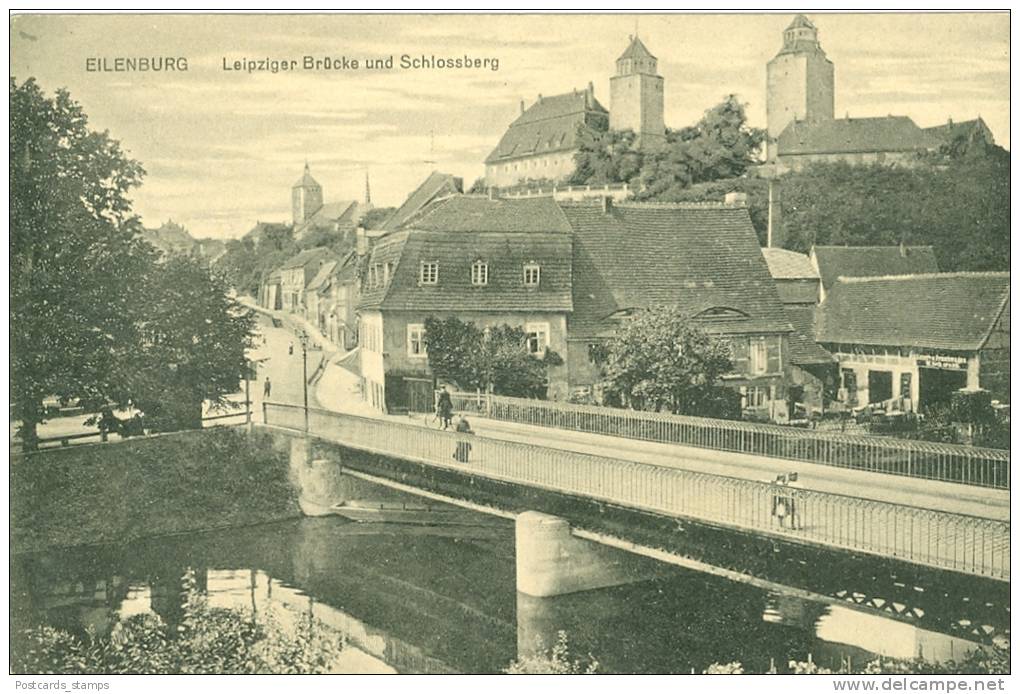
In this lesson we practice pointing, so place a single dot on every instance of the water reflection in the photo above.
(444, 600)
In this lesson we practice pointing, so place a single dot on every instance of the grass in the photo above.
(117, 492)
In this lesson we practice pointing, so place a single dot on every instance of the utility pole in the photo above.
(304, 372)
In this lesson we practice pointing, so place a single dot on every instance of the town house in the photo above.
(485, 261)
(701, 257)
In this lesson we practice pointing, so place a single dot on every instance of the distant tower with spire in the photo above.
(368, 191)
(800, 81)
(636, 95)
(305, 197)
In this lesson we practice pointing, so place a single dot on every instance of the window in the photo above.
(387, 272)
(429, 272)
(416, 347)
(755, 397)
(759, 356)
(538, 337)
(532, 274)
(479, 273)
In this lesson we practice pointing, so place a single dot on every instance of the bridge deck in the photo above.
(965, 543)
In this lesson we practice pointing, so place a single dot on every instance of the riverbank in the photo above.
(163, 485)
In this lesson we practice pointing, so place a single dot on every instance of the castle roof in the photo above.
(871, 261)
(338, 215)
(853, 135)
(801, 22)
(967, 129)
(636, 49)
(700, 257)
(549, 125)
(952, 311)
(306, 180)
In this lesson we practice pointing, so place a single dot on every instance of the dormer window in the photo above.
(429, 272)
(532, 274)
(479, 273)
(387, 272)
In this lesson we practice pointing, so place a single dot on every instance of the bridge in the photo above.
(974, 543)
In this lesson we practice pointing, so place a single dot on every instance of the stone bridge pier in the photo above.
(322, 484)
(551, 561)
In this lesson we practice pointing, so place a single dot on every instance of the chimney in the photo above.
(736, 199)
(589, 96)
(607, 204)
(361, 242)
(539, 98)
(522, 107)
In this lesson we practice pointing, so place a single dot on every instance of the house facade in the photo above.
(813, 372)
(296, 273)
(908, 342)
(487, 262)
(701, 257)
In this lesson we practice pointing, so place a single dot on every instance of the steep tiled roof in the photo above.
(851, 135)
(803, 348)
(953, 311)
(696, 256)
(306, 179)
(322, 275)
(636, 49)
(455, 252)
(478, 213)
(435, 185)
(871, 261)
(789, 265)
(969, 129)
(550, 125)
(304, 257)
(340, 212)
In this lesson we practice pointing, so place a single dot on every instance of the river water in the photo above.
(419, 599)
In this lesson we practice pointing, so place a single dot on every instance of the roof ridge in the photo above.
(925, 275)
(657, 205)
(894, 245)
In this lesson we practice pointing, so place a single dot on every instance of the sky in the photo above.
(222, 148)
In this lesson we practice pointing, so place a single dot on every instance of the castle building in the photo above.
(803, 129)
(636, 95)
(305, 198)
(800, 82)
(541, 143)
(310, 213)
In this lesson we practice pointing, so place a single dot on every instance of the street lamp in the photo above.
(304, 371)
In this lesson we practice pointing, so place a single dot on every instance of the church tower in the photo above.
(305, 197)
(800, 81)
(636, 95)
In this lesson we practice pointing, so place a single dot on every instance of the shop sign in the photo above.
(942, 361)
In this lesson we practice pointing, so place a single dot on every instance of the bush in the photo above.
(208, 641)
(554, 661)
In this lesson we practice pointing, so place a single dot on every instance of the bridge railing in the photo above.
(957, 542)
(982, 467)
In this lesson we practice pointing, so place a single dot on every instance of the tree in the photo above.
(374, 218)
(720, 145)
(661, 361)
(76, 256)
(192, 350)
(495, 359)
(961, 208)
(92, 304)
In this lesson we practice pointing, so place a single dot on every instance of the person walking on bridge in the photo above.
(267, 388)
(444, 408)
(463, 447)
